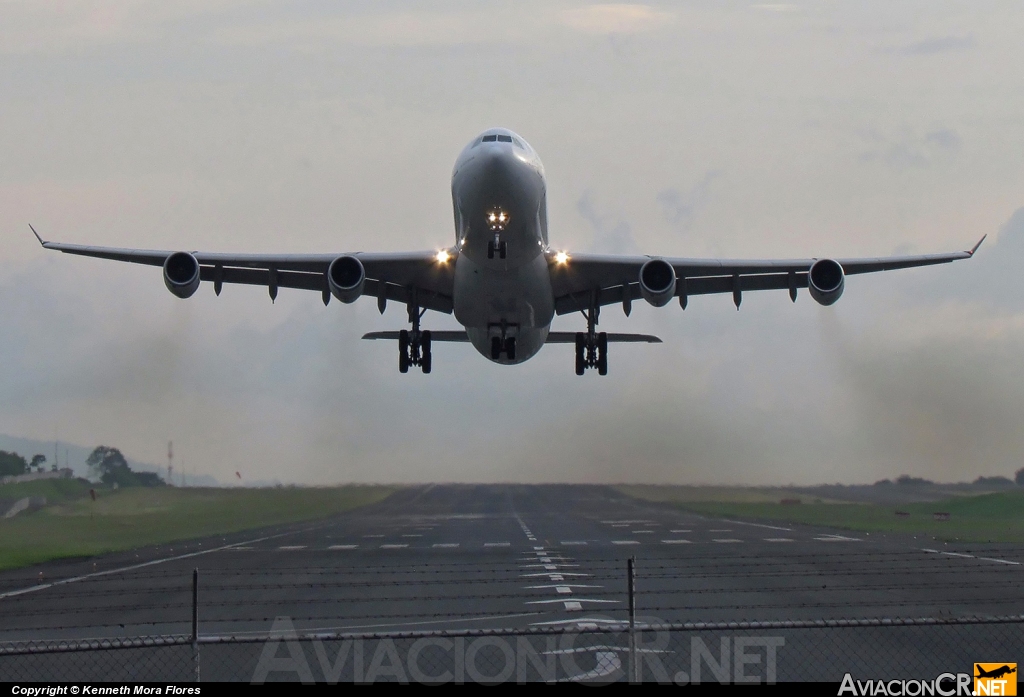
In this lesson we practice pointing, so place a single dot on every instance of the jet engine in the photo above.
(181, 274)
(657, 282)
(346, 277)
(825, 281)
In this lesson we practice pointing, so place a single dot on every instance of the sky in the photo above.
(693, 129)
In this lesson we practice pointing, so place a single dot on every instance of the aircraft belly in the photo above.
(517, 299)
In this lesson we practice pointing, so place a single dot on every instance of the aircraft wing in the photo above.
(585, 280)
(389, 276)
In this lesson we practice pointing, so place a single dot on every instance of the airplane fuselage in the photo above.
(502, 284)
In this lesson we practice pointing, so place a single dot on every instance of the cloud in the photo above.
(612, 234)
(941, 44)
(616, 18)
(910, 150)
(681, 207)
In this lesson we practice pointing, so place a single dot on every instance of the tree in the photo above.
(110, 467)
(38, 460)
(12, 464)
(1019, 477)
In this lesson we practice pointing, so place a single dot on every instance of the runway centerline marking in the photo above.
(568, 543)
(497, 544)
(393, 546)
(412, 535)
(447, 545)
(777, 539)
(578, 600)
(958, 554)
(726, 539)
(289, 548)
(342, 546)
(679, 531)
(625, 542)
(641, 532)
(1000, 561)
(720, 530)
(837, 538)
(676, 542)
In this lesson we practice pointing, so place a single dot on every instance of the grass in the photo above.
(997, 517)
(76, 526)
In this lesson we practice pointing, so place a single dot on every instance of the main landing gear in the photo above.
(414, 345)
(592, 346)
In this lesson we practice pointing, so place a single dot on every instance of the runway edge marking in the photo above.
(152, 562)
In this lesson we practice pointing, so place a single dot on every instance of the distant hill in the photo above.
(76, 455)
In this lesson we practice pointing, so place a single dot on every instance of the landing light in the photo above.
(497, 219)
(443, 256)
(561, 258)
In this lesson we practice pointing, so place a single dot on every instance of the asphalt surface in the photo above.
(459, 556)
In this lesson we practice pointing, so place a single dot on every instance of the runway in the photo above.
(459, 556)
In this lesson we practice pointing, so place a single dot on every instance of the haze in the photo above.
(686, 129)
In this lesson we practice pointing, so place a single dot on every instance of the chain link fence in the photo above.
(594, 652)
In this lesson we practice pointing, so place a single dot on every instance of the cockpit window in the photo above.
(488, 139)
(504, 139)
(518, 144)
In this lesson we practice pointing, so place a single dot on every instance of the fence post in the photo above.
(634, 673)
(195, 621)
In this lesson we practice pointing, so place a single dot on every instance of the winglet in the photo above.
(975, 247)
(36, 234)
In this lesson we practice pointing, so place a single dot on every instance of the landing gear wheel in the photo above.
(510, 346)
(495, 348)
(403, 351)
(581, 347)
(602, 354)
(425, 357)
(490, 249)
(502, 249)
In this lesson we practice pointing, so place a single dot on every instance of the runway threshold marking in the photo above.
(132, 567)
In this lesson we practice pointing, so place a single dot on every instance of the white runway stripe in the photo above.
(726, 539)
(446, 545)
(393, 546)
(677, 542)
(777, 539)
(497, 544)
(342, 546)
(625, 542)
(288, 548)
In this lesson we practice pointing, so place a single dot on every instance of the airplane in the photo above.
(502, 279)
(996, 672)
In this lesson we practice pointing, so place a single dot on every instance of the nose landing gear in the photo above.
(506, 345)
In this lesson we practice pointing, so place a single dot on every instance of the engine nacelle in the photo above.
(657, 282)
(181, 274)
(346, 277)
(825, 281)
